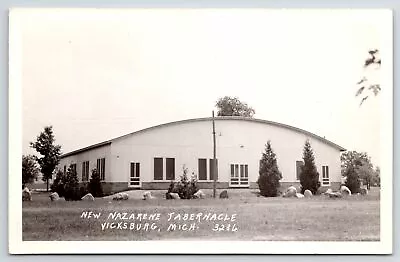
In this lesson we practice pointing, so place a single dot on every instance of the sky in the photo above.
(98, 74)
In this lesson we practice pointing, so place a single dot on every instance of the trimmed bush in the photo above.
(72, 185)
(268, 180)
(94, 186)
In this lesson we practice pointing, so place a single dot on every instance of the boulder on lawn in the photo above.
(199, 194)
(121, 196)
(174, 196)
(147, 195)
(26, 194)
(88, 197)
(364, 191)
(308, 193)
(299, 195)
(168, 196)
(344, 190)
(224, 194)
(54, 196)
(290, 192)
(335, 195)
(328, 191)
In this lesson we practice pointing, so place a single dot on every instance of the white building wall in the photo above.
(238, 142)
(90, 155)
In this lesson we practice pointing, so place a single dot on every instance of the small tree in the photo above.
(232, 106)
(186, 187)
(72, 184)
(59, 183)
(30, 170)
(268, 180)
(309, 176)
(95, 187)
(50, 153)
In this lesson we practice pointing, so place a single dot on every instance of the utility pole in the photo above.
(214, 166)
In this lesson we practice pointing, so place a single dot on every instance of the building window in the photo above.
(101, 163)
(85, 171)
(299, 164)
(202, 169)
(170, 168)
(325, 176)
(211, 169)
(73, 168)
(158, 168)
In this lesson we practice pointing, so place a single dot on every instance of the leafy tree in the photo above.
(309, 176)
(353, 159)
(72, 184)
(364, 85)
(352, 179)
(94, 186)
(232, 106)
(268, 180)
(30, 170)
(357, 166)
(376, 179)
(50, 153)
(366, 173)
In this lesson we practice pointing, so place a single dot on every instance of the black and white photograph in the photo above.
(201, 130)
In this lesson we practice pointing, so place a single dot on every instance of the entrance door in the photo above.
(134, 179)
(239, 175)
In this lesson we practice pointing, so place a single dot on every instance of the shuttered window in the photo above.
(170, 169)
(101, 163)
(202, 169)
(85, 171)
(158, 168)
(211, 169)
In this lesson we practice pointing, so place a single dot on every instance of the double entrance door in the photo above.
(239, 175)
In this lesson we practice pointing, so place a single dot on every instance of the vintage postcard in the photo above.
(222, 131)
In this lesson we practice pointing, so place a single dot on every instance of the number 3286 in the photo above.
(225, 227)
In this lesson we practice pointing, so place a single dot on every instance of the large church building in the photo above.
(152, 157)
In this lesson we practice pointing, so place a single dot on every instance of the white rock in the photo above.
(147, 195)
(307, 193)
(54, 196)
(364, 191)
(329, 191)
(299, 195)
(335, 195)
(88, 197)
(199, 194)
(174, 196)
(344, 190)
(290, 192)
(26, 194)
(121, 196)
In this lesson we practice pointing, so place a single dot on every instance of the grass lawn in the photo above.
(354, 218)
